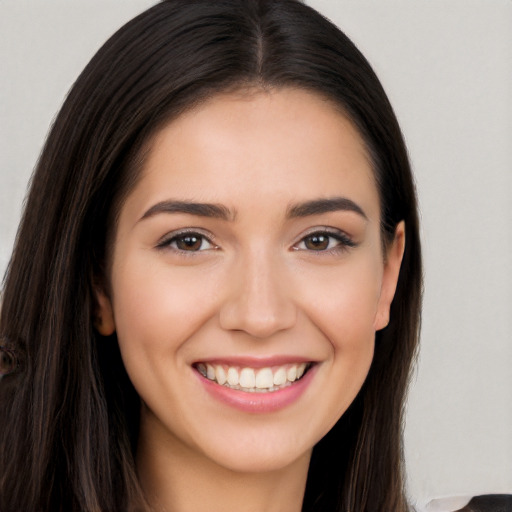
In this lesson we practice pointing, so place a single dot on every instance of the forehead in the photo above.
(257, 148)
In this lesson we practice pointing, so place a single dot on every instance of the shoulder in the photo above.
(482, 503)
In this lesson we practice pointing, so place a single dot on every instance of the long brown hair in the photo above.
(69, 414)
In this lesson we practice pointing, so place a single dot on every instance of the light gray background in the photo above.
(447, 67)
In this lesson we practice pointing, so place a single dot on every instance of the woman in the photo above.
(221, 306)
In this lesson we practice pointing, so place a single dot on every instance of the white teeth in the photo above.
(291, 374)
(247, 378)
(233, 379)
(253, 380)
(220, 375)
(265, 379)
(210, 372)
(280, 377)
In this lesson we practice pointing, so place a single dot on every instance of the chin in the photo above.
(261, 459)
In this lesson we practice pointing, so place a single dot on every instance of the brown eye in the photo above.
(325, 241)
(189, 243)
(317, 242)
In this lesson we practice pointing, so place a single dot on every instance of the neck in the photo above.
(175, 478)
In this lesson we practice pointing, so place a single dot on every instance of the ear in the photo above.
(392, 262)
(104, 315)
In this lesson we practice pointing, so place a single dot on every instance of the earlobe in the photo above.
(104, 316)
(392, 265)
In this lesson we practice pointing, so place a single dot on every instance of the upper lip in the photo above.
(255, 362)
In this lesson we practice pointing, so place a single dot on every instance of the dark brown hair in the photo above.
(69, 414)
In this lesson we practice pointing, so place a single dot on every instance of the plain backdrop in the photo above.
(447, 68)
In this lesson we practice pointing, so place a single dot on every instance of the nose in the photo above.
(258, 300)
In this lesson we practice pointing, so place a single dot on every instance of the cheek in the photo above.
(347, 320)
(343, 308)
(343, 304)
(157, 310)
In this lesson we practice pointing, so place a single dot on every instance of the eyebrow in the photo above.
(216, 211)
(319, 206)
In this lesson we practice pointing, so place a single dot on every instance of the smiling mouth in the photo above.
(254, 380)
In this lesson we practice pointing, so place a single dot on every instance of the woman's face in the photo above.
(247, 255)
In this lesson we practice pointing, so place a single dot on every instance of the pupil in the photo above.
(188, 243)
(317, 242)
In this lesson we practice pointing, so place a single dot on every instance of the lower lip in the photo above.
(259, 402)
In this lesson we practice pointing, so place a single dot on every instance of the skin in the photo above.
(256, 284)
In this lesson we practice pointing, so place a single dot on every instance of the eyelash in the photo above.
(171, 242)
(343, 242)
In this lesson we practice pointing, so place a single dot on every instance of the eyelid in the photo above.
(167, 239)
(346, 242)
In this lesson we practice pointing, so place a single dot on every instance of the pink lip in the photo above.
(259, 402)
(256, 362)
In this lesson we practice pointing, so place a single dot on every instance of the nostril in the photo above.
(258, 319)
